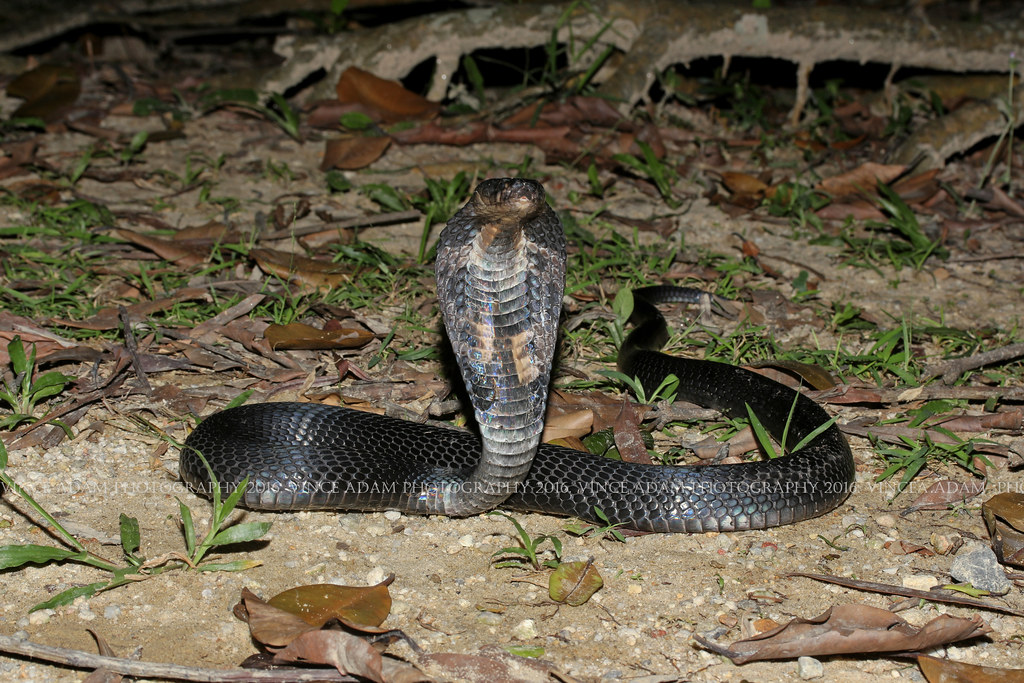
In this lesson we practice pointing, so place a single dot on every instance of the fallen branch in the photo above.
(949, 597)
(78, 659)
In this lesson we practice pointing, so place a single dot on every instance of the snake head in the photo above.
(508, 199)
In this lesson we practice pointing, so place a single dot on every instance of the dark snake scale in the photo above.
(500, 272)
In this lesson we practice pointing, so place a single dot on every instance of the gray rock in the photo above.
(978, 566)
(809, 667)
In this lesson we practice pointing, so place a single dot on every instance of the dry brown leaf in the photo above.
(947, 671)
(303, 336)
(576, 423)
(316, 604)
(919, 188)
(1004, 518)
(743, 183)
(858, 209)
(862, 180)
(815, 375)
(574, 582)
(605, 408)
(14, 156)
(271, 626)
(850, 629)
(347, 653)
(353, 153)
(739, 443)
(102, 675)
(390, 98)
(181, 254)
(307, 272)
(49, 90)
(628, 440)
(47, 343)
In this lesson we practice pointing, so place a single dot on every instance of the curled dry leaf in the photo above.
(183, 254)
(49, 90)
(47, 343)
(563, 425)
(347, 653)
(390, 98)
(302, 336)
(628, 440)
(353, 153)
(1004, 517)
(269, 625)
(815, 375)
(574, 582)
(743, 183)
(861, 180)
(849, 629)
(947, 671)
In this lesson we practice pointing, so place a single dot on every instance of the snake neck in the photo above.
(500, 289)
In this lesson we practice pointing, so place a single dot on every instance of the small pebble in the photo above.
(392, 515)
(466, 541)
(921, 582)
(887, 521)
(111, 612)
(525, 630)
(489, 618)
(375, 576)
(809, 667)
(40, 617)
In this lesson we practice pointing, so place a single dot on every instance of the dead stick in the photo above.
(79, 659)
(133, 352)
(362, 222)
(888, 589)
(952, 369)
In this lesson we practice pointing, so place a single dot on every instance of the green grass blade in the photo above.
(188, 527)
(70, 595)
(761, 434)
(17, 555)
(130, 538)
(233, 566)
(241, 533)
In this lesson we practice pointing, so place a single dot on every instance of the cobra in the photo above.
(500, 279)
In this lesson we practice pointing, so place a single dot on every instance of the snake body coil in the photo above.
(500, 273)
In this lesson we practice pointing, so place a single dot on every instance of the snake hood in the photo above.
(500, 278)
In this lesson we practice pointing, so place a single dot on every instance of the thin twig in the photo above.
(361, 222)
(949, 597)
(133, 353)
(79, 659)
(952, 369)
